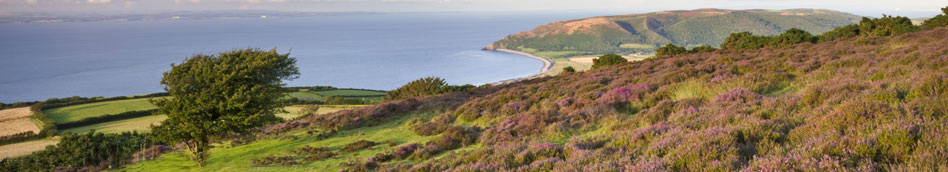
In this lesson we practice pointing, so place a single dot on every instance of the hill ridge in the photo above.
(607, 34)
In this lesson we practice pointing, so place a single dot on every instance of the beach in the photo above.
(547, 65)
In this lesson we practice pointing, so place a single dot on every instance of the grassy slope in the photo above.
(238, 158)
(79, 112)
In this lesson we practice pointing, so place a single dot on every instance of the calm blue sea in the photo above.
(374, 51)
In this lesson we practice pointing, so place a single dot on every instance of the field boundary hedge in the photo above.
(107, 118)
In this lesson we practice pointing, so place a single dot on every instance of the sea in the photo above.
(351, 50)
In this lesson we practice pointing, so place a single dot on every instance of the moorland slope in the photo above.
(864, 103)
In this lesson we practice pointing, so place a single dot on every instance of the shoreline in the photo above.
(547, 65)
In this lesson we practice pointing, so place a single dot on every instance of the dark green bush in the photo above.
(608, 60)
(357, 146)
(669, 50)
(417, 88)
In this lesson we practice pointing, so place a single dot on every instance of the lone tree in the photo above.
(213, 95)
(608, 60)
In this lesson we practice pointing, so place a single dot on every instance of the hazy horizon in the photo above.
(910, 8)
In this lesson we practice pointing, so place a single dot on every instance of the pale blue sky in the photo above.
(912, 8)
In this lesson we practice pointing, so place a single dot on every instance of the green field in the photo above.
(238, 158)
(79, 112)
(140, 124)
(294, 111)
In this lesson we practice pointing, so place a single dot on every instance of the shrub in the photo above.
(357, 146)
(403, 152)
(314, 153)
(669, 50)
(270, 160)
(702, 49)
(939, 20)
(569, 69)
(417, 88)
(608, 60)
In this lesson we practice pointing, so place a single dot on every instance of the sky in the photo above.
(911, 8)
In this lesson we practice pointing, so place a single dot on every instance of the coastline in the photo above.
(547, 65)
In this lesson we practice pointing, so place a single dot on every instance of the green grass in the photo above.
(238, 158)
(79, 112)
(140, 124)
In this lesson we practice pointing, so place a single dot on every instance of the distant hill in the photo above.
(645, 32)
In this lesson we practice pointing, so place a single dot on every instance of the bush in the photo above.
(417, 88)
(702, 49)
(939, 20)
(357, 146)
(744, 40)
(270, 160)
(608, 60)
(792, 37)
(669, 50)
(569, 69)
(314, 153)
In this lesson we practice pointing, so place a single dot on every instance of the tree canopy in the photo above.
(213, 95)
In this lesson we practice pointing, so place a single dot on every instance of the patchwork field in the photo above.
(16, 120)
(140, 124)
(24, 148)
(79, 112)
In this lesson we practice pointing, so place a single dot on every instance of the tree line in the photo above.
(885, 26)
